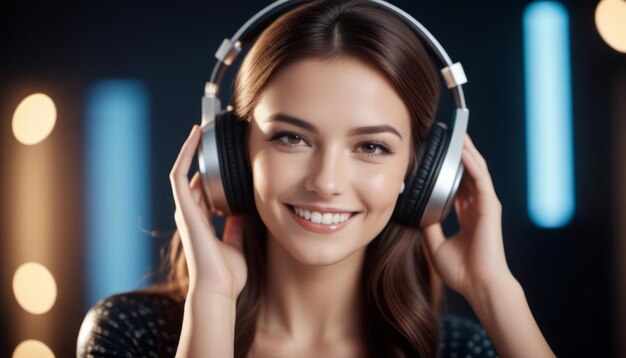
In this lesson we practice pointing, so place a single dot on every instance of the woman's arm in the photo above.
(506, 316)
(473, 263)
(217, 269)
(208, 326)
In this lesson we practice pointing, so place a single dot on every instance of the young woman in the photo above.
(339, 96)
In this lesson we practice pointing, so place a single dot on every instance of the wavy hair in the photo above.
(400, 287)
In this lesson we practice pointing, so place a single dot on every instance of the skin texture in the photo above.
(311, 305)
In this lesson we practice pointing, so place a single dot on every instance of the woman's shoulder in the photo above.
(131, 324)
(463, 337)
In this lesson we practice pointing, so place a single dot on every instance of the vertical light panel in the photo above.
(117, 187)
(549, 142)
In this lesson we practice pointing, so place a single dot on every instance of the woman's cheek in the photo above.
(379, 187)
(276, 172)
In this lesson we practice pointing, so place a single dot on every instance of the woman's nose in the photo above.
(327, 173)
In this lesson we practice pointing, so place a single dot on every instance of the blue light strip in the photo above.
(117, 187)
(549, 142)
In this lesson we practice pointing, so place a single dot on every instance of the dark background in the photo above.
(568, 273)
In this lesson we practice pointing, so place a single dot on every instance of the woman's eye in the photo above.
(288, 139)
(369, 148)
(291, 139)
(374, 149)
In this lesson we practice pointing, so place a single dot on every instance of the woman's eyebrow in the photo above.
(374, 129)
(282, 117)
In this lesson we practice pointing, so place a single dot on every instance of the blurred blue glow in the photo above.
(117, 187)
(549, 142)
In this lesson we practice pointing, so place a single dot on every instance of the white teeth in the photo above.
(319, 218)
(316, 217)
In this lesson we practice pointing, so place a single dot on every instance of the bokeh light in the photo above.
(611, 23)
(32, 349)
(34, 288)
(34, 119)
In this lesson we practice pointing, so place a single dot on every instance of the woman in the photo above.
(339, 96)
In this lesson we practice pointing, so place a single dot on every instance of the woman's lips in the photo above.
(321, 222)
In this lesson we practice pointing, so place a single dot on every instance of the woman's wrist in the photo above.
(482, 296)
(206, 290)
(199, 297)
(211, 308)
(502, 309)
(208, 325)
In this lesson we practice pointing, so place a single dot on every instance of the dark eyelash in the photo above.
(384, 147)
(276, 135)
(380, 144)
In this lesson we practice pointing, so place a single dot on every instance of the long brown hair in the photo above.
(400, 287)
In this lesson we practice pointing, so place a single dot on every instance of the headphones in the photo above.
(223, 163)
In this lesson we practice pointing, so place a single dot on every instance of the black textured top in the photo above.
(148, 325)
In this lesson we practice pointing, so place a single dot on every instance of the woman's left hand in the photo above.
(472, 260)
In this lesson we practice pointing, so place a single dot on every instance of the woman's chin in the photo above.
(322, 255)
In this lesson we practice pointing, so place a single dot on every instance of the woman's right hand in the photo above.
(215, 267)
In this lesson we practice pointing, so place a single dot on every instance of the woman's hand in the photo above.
(472, 260)
(215, 267)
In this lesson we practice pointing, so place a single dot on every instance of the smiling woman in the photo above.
(347, 158)
(337, 99)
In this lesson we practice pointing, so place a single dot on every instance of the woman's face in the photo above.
(329, 148)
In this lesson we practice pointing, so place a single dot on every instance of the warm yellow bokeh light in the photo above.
(34, 288)
(32, 349)
(34, 118)
(611, 23)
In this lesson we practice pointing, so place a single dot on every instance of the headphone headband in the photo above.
(453, 73)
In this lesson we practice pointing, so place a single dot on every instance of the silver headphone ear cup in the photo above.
(450, 201)
(224, 166)
(210, 173)
(450, 173)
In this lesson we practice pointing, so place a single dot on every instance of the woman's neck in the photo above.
(312, 303)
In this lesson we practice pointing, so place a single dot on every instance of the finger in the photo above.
(195, 185)
(181, 188)
(472, 147)
(189, 216)
(480, 183)
(463, 206)
(233, 232)
(479, 176)
(434, 236)
(463, 198)
(180, 171)
(198, 194)
(197, 190)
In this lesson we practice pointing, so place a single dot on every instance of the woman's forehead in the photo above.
(343, 90)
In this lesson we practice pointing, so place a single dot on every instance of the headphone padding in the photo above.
(235, 169)
(421, 181)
